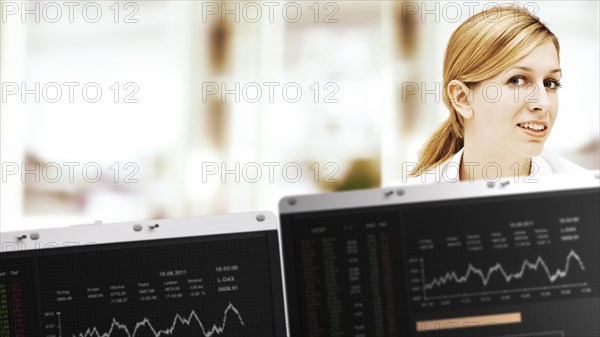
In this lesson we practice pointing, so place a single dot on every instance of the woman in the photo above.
(501, 78)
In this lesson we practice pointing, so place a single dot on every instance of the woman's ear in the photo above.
(458, 92)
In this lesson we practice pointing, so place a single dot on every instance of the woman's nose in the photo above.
(539, 99)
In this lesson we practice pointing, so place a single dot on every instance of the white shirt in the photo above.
(449, 171)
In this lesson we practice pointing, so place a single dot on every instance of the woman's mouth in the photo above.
(534, 129)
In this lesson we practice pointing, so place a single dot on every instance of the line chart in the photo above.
(178, 320)
(498, 268)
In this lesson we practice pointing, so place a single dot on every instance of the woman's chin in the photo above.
(531, 150)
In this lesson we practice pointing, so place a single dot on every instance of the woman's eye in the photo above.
(552, 84)
(516, 80)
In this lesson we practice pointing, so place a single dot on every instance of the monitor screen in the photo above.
(519, 265)
(215, 285)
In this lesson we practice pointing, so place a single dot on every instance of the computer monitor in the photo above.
(453, 259)
(198, 276)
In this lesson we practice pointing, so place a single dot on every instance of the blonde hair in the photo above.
(482, 47)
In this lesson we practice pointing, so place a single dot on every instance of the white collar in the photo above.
(449, 171)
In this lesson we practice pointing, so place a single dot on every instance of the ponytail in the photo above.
(445, 141)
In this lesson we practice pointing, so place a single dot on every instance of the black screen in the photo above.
(523, 265)
(219, 285)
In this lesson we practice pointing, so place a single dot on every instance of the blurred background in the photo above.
(132, 110)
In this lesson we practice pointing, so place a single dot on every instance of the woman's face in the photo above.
(514, 111)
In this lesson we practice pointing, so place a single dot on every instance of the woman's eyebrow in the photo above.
(557, 70)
